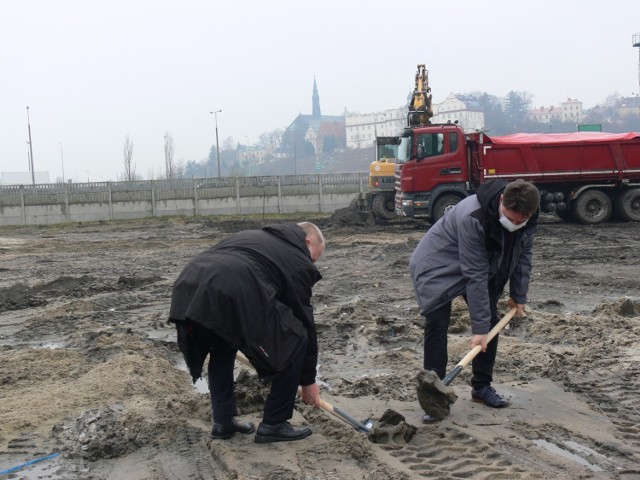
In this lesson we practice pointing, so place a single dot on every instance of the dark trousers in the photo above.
(282, 396)
(435, 345)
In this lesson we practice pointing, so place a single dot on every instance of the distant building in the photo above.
(324, 133)
(569, 111)
(362, 129)
(628, 106)
(252, 155)
(23, 178)
(464, 109)
(544, 115)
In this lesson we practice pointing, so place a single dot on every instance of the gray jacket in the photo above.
(462, 253)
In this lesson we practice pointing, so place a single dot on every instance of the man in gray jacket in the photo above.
(478, 246)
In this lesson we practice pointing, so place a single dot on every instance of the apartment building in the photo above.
(362, 129)
(463, 109)
(569, 111)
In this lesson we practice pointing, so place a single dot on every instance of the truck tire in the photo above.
(384, 206)
(591, 207)
(628, 205)
(443, 204)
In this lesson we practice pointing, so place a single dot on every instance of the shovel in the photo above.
(477, 349)
(364, 426)
(434, 395)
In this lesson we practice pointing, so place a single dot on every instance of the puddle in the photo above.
(582, 449)
(201, 384)
(553, 448)
(50, 345)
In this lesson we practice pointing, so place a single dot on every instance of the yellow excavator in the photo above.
(381, 196)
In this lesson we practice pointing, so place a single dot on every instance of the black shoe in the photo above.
(223, 431)
(282, 432)
(489, 397)
(428, 419)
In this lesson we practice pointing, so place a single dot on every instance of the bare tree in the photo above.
(179, 169)
(129, 166)
(612, 99)
(276, 137)
(169, 161)
(271, 140)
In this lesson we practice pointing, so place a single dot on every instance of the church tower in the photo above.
(315, 110)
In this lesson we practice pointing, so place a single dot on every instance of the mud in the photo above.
(434, 397)
(89, 366)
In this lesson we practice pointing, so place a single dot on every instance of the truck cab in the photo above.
(432, 170)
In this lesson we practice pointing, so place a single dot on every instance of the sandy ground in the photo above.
(89, 367)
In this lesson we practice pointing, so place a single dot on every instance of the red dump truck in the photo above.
(586, 177)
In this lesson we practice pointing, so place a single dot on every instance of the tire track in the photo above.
(455, 455)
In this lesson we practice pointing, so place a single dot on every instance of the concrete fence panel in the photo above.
(84, 202)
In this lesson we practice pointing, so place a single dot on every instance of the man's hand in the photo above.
(518, 306)
(479, 340)
(311, 394)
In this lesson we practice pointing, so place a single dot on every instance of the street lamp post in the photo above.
(167, 169)
(33, 175)
(293, 130)
(215, 114)
(62, 160)
(375, 135)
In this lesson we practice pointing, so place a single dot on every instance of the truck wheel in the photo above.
(591, 207)
(384, 206)
(443, 204)
(628, 205)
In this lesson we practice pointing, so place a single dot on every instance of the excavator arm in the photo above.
(420, 111)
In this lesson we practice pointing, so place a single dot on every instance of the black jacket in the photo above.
(253, 290)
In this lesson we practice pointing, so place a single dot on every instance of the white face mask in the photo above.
(508, 224)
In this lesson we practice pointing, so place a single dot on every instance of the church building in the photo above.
(315, 133)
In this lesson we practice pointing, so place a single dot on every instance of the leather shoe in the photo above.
(489, 397)
(224, 431)
(281, 432)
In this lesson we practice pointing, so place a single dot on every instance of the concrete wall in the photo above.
(84, 202)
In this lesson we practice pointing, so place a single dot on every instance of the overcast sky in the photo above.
(94, 71)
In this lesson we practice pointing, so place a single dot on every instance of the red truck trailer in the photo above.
(583, 176)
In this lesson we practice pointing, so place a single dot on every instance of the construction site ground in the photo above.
(93, 385)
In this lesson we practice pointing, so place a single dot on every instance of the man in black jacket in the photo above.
(474, 250)
(252, 292)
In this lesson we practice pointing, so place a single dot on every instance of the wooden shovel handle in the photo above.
(323, 404)
(492, 333)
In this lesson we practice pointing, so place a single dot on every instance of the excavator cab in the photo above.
(387, 149)
(382, 169)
